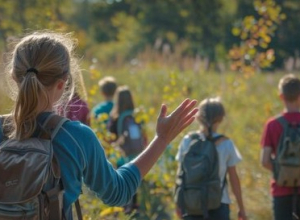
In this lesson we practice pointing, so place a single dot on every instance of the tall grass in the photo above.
(155, 78)
(249, 102)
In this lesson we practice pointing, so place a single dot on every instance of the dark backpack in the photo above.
(30, 183)
(198, 186)
(287, 161)
(132, 132)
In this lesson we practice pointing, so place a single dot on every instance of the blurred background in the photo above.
(166, 51)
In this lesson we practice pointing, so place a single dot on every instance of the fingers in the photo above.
(169, 126)
(184, 112)
(190, 106)
(188, 112)
(190, 115)
(186, 121)
(185, 107)
(163, 111)
(181, 107)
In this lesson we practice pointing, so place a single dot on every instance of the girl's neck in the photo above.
(43, 108)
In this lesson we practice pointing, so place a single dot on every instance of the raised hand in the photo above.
(169, 126)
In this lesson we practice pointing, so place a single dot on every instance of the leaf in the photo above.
(236, 31)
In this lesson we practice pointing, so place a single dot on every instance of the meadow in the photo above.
(249, 100)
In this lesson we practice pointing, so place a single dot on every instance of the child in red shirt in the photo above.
(289, 88)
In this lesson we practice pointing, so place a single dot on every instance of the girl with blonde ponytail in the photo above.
(211, 114)
(40, 62)
(41, 74)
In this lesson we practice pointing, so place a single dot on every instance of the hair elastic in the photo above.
(32, 69)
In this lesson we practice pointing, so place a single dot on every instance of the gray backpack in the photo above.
(198, 186)
(30, 184)
(132, 131)
(287, 162)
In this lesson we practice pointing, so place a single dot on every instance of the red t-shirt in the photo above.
(270, 138)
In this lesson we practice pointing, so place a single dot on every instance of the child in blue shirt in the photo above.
(108, 88)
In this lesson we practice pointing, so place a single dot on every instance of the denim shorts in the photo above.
(221, 213)
(283, 207)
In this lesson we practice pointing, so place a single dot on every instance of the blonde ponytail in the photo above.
(38, 61)
(26, 107)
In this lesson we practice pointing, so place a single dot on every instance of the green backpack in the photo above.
(286, 165)
(198, 186)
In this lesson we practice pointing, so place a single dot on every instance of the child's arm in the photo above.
(236, 189)
(266, 158)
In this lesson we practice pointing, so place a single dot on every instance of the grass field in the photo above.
(249, 101)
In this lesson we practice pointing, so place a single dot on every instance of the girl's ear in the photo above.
(60, 84)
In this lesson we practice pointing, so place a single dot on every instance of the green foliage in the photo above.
(172, 22)
(117, 31)
(118, 50)
(19, 16)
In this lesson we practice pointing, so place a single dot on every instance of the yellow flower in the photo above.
(110, 210)
(103, 117)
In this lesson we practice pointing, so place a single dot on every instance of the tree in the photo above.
(256, 34)
(19, 16)
(286, 42)
(200, 23)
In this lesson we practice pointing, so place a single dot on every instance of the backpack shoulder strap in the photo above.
(283, 122)
(218, 139)
(52, 124)
(215, 139)
(49, 129)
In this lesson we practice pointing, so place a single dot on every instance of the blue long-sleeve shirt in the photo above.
(82, 157)
(82, 160)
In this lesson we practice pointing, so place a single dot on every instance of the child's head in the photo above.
(108, 86)
(123, 101)
(40, 62)
(289, 88)
(211, 111)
